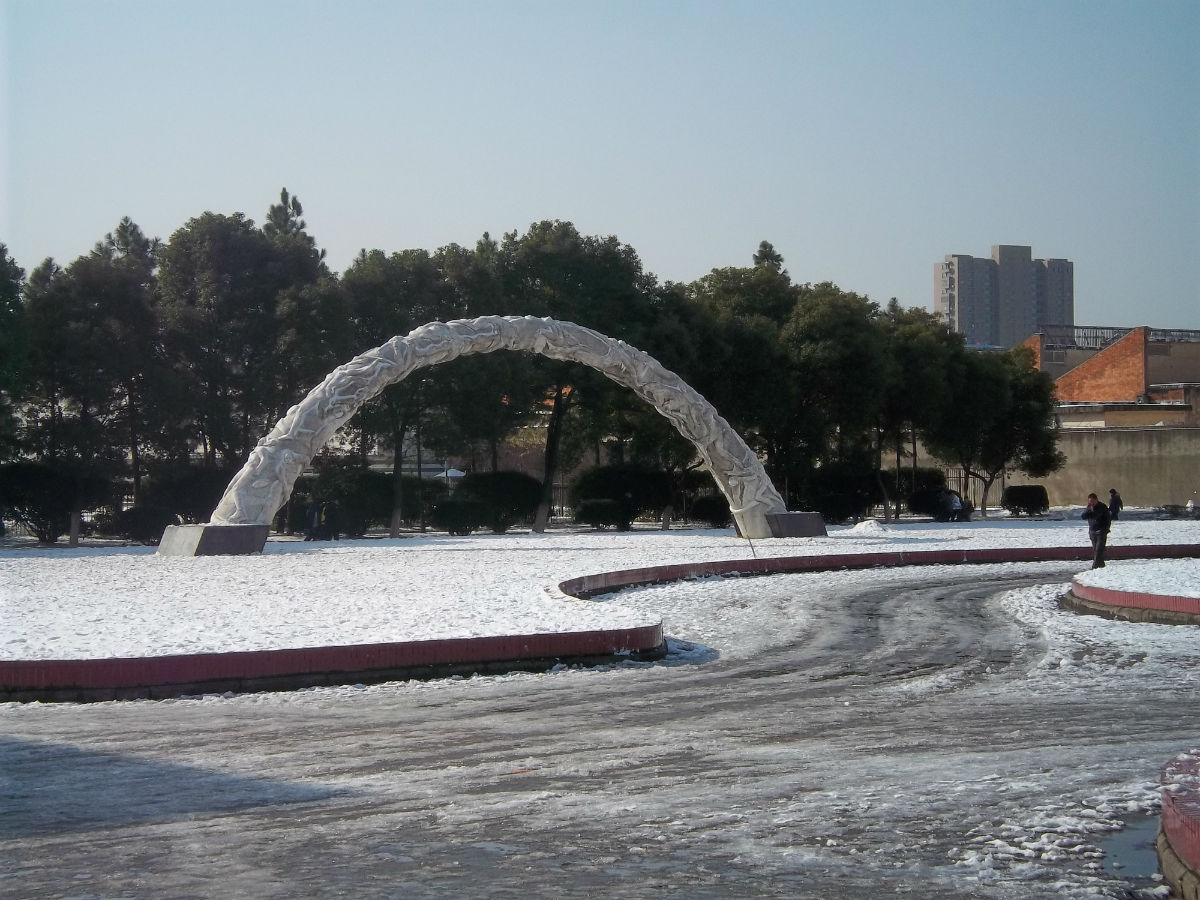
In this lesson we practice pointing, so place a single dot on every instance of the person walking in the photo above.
(312, 519)
(1099, 521)
(1115, 504)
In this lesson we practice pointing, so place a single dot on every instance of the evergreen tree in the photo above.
(12, 350)
(554, 271)
(1001, 416)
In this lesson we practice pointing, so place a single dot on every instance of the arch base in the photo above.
(795, 524)
(213, 540)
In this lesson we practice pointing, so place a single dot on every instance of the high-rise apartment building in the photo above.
(1001, 301)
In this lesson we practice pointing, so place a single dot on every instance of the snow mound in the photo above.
(869, 527)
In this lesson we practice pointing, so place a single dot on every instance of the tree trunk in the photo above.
(397, 478)
(878, 461)
(887, 500)
(420, 476)
(983, 497)
(364, 439)
(74, 526)
(553, 433)
(135, 457)
(899, 492)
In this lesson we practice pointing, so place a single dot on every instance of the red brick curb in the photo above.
(1179, 837)
(164, 676)
(604, 582)
(1133, 606)
(1136, 600)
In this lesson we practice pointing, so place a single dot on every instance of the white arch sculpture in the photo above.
(265, 482)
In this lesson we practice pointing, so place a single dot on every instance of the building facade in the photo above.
(1128, 411)
(1121, 377)
(999, 302)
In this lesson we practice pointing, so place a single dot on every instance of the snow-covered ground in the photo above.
(60, 603)
(1173, 578)
(933, 731)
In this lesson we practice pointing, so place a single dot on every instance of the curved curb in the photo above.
(256, 670)
(1133, 606)
(605, 582)
(158, 677)
(1179, 833)
(1130, 606)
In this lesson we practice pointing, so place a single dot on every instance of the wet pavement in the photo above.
(913, 742)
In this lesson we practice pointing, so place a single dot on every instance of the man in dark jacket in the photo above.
(1098, 521)
(1115, 504)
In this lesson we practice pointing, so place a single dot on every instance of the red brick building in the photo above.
(1128, 411)
(1108, 377)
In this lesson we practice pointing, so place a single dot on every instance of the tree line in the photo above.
(147, 358)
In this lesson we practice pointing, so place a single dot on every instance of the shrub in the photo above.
(190, 492)
(640, 490)
(840, 491)
(603, 514)
(459, 516)
(507, 497)
(926, 501)
(418, 497)
(42, 496)
(363, 498)
(292, 517)
(926, 478)
(712, 510)
(1030, 499)
(936, 502)
(145, 524)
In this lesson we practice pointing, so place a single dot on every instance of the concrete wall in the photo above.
(1149, 466)
(1172, 362)
(1188, 394)
(1111, 415)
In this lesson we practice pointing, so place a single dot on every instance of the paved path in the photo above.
(873, 757)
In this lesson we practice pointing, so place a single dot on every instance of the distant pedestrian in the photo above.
(332, 521)
(312, 520)
(1098, 520)
(1115, 504)
(328, 528)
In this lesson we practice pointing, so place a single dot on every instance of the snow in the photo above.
(60, 603)
(1176, 578)
(1046, 756)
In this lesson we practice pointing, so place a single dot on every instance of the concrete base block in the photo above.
(796, 524)
(213, 540)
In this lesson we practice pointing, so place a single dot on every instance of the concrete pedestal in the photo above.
(796, 524)
(213, 540)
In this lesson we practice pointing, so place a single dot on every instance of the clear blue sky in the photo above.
(864, 140)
